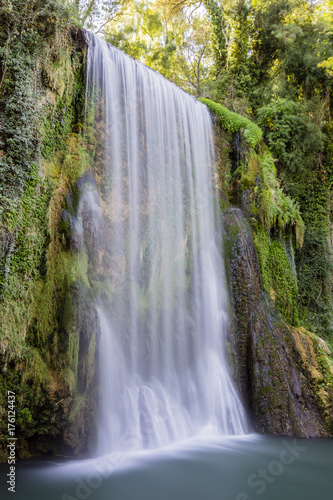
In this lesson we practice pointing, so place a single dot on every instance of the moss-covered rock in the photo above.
(48, 318)
(284, 375)
(233, 122)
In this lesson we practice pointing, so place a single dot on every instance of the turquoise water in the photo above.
(246, 468)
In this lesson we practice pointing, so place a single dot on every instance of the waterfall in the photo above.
(163, 300)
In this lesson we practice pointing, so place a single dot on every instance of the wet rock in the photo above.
(281, 371)
(80, 328)
(79, 38)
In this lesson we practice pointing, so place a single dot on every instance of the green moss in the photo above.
(278, 278)
(76, 158)
(77, 406)
(233, 122)
(23, 52)
(73, 350)
(67, 109)
(266, 390)
(42, 98)
(26, 264)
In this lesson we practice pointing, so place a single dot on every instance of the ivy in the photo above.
(219, 42)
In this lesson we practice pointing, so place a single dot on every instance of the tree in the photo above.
(177, 48)
(96, 14)
(327, 17)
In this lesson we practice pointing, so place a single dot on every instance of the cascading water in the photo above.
(163, 308)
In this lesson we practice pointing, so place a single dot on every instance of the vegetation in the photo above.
(41, 156)
(234, 122)
(176, 48)
(95, 14)
(263, 68)
(272, 64)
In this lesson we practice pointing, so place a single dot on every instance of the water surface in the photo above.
(235, 468)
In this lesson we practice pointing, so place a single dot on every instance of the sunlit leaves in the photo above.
(176, 46)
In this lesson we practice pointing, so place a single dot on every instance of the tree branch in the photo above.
(88, 11)
(109, 19)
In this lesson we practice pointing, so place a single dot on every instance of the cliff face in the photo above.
(48, 322)
(283, 372)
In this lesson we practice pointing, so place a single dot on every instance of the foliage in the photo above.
(233, 122)
(327, 65)
(178, 50)
(290, 94)
(315, 262)
(295, 123)
(42, 155)
(25, 31)
(25, 265)
(37, 413)
(95, 14)
(277, 275)
(218, 31)
(280, 122)
(19, 131)
(276, 209)
(292, 135)
(278, 225)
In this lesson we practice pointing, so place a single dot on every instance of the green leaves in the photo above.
(327, 65)
(280, 123)
(179, 50)
(277, 210)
